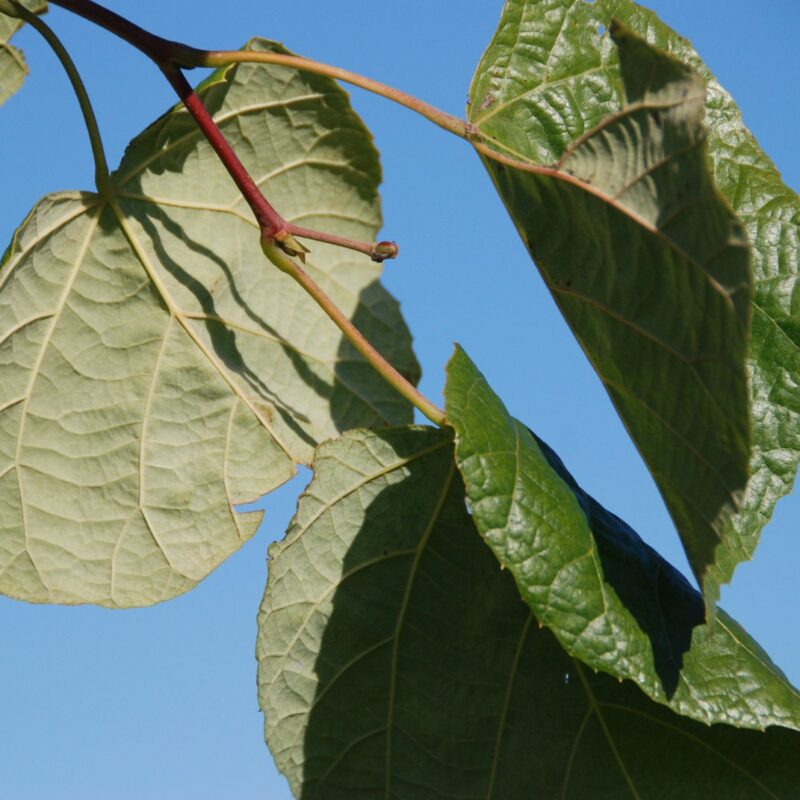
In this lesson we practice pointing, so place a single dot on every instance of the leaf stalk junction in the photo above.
(277, 234)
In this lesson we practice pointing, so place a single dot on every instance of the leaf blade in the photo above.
(157, 371)
(377, 603)
(649, 266)
(610, 600)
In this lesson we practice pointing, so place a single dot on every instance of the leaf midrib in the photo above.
(556, 173)
(512, 676)
(16, 56)
(16, 257)
(297, 532)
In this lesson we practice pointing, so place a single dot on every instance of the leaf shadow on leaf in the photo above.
(223, 338)
(374, 695)
(431, 678)
(356, 380)
(663, 603)
(611, 600)
(355, 385)
(635, 242)
(166, 135)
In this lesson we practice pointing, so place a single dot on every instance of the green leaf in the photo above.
(611, 600)
(770, 211)
(397, 661)
(13, 68)
(158, 371)
(641, 252)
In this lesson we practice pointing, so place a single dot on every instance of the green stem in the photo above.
(218, 58)
(164, 52)
(354, 336)
(101, 175)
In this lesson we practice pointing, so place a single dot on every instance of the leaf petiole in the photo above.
(220, 58)
(101, 174)
(404, 387)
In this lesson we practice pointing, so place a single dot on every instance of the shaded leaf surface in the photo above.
(397, 661)
(640, 250)
(573, 77)
(157, 370)
(611, 600)
(13, 68)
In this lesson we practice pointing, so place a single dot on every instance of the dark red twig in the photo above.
(271, 223)
(162, 51)
(170, 57)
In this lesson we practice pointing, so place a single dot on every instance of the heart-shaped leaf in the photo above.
(157, 370)
(641, 251)
(13, 68)
(611, 600)
(397, 661)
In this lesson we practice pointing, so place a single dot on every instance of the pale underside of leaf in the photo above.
(551, 78)
(13, 68)
(157, 371)
(397, 661)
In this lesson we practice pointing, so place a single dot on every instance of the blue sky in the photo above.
(161, 702)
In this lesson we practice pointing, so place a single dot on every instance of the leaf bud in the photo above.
(384, 250)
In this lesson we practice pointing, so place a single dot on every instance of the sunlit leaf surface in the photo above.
(157, 370)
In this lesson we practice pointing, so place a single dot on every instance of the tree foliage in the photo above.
(450, 614)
